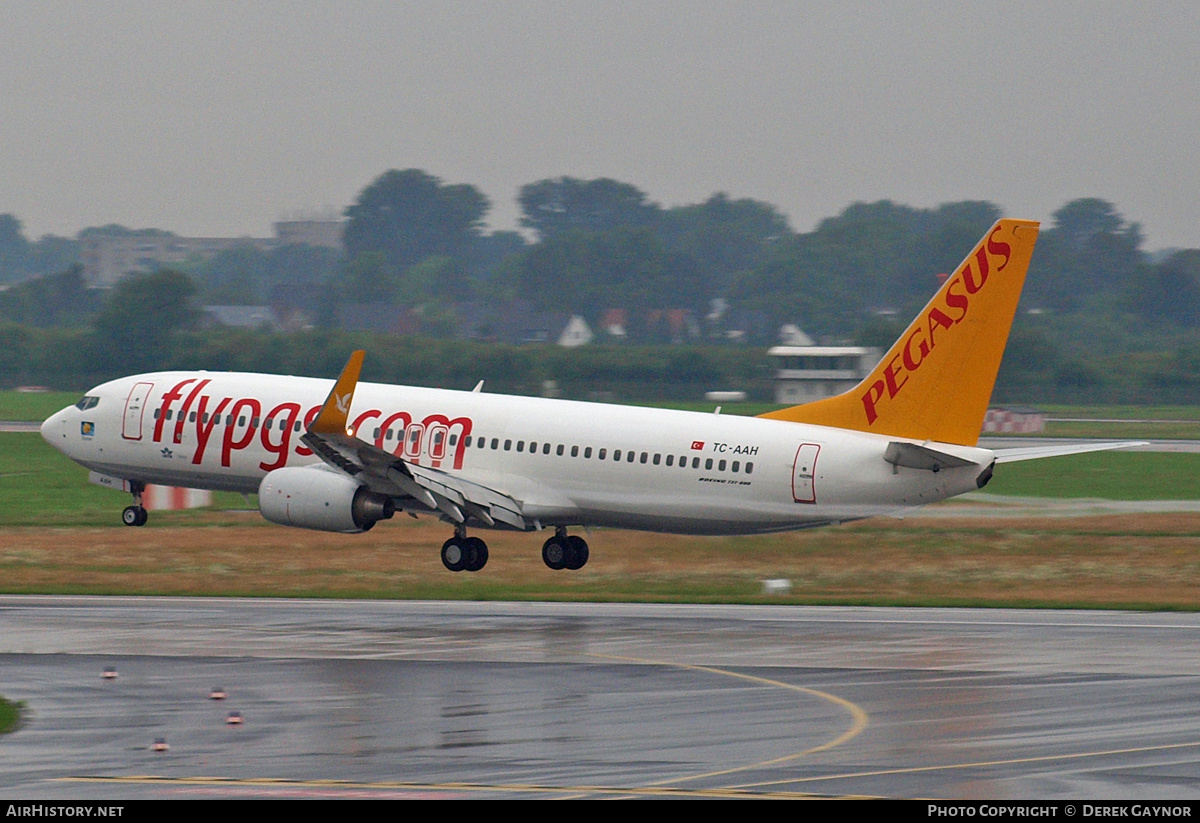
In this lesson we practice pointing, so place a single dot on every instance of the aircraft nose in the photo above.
(54, 429)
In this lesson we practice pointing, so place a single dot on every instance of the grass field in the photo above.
(1115, 475)
(30, 406)
(1158, 413)
(10, 715)
(39, 486)
(1123, 430)
(1128, 561)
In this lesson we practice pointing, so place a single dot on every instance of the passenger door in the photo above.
(804, 474)
(135, 406)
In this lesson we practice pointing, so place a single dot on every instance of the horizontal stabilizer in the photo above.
(1059, 450)
(913, 456)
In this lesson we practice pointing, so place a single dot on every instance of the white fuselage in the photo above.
(565, 462)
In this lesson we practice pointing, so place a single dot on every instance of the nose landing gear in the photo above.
(135, 515)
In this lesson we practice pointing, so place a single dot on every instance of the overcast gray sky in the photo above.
(218, 118)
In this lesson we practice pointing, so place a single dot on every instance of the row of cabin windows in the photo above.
(616, 455)
(561, 450)
(630, 455)
(241, 421)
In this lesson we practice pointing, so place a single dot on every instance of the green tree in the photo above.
(1029, 366)
(1089, 252)
(725, 236)
(52, 254)
(1080, 221)
(14, 353)
(143, 312)
(438, 278)
(871, 257)
(1171, 290)
(51, 300)
(368, 277)
(247, 276)
(554, 206)
(944, 238)
(588, 272)
(490, 265)
(14, 250)
(410, 215)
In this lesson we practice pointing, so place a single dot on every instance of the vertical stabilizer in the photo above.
(935, 382)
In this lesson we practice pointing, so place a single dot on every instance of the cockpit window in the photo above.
(87, 402)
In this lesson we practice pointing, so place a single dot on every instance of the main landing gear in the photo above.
(562, 551)
(565, 551)
(462, 553)
(135, 515)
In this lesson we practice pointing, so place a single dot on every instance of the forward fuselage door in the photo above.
(135, 406)
(804, 474)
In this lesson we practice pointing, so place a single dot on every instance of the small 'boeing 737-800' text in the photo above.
(342, 458)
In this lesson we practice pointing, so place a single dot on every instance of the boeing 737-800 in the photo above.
(342, 459)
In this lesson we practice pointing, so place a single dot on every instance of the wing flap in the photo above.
(454, 497)
(469, 495)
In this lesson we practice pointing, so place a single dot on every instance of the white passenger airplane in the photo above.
(343, 459)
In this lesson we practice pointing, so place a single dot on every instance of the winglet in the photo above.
(936, 380)
(333, 417)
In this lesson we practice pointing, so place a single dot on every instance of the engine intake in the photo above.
(312, 497)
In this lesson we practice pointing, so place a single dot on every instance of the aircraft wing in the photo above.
(454, 497)
(1060, 449)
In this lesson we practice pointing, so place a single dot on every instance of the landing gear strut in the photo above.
(135, 515)
(462, 553)
(565, 551)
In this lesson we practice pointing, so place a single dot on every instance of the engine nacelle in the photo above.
(311, 497)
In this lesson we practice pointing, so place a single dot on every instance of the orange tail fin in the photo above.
(935, 382)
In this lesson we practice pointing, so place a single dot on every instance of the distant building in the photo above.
(653, 325)
(109, 257)
(614, 323)
(790, 335)
(576, 333)
(324, 233)
(517, 322)
(378, 317)
(806, 373)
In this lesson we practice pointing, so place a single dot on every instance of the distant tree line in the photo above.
(79, 358)
(1100, 320)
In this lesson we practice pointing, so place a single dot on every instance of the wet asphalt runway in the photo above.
(435, 699)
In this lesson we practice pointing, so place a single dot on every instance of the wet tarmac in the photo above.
(464, 700)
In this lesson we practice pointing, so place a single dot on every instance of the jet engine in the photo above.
(312, 497)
